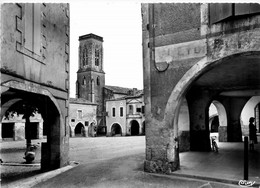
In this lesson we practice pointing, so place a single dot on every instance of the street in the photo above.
(115, 162)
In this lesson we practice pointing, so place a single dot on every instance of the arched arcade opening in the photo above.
(134, 128)
(23, 98)
(200, 87)
(116, 130)
(79, 130)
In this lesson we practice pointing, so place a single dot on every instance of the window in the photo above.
(121, 112)
(84, 81)
(143, 109)
(98, 82)
(85, 56)
(113, 112)
(86, 123)
(97, 57)
(221, 11)
(130, 109)
(72, 120)
(79, 114)
(77, 89)
(32, 29)
(138, 110)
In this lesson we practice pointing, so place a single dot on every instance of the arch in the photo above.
(116, 129)
(7, 105)
(248, 110)
(53, 119)
(79, 129)
(178, 93)
(222, 114)
(84, 81)
(134, 128)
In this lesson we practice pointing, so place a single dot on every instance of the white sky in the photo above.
(120, 25)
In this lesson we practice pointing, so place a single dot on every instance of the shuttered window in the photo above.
(222, 11)
(121, 111)
(32, 30)
(246, 8)
(113, 112)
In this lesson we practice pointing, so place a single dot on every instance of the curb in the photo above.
(31, 181)
(21, 164)
(203, 178)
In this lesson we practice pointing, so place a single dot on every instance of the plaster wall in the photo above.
(88, 115)
(110, 120)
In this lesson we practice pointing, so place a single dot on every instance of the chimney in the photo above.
(134, 91)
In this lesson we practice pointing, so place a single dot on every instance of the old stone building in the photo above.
(196, 55)
(35, 71)
(90, 84)
(82, 117)
(13, 128)
(125, 115)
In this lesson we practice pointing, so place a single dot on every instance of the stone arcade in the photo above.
(35, 70)
(196, 55)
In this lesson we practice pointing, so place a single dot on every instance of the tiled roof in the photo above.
(139, 93)
(81, 101)
(121, 90)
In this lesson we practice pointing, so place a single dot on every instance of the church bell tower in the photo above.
(90, 74)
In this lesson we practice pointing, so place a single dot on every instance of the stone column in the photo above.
(198, 101)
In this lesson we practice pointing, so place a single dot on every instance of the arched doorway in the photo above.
(116, 130)
(134, 128)
(26, 95)
(79, 130)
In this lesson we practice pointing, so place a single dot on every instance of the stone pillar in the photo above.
(72, 131)
(234, 106)
(222, 132)
(198, 101)
(40, 130)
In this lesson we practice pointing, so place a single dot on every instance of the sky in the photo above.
(120, 25)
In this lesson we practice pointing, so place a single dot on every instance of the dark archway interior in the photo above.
(79, 129)
(116, 129)
(7, 131)
(214, 124)
(232, 81)
(134, 128)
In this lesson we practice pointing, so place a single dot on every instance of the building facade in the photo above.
(125, 115)
(35, 71)
(196, 55)
(82, 115)
(90, 85)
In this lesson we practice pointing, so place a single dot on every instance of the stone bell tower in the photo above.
(90, 75)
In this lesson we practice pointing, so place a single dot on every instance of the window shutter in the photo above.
(28, 30)
(37, 28)
(219, 11)
(246, 8)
